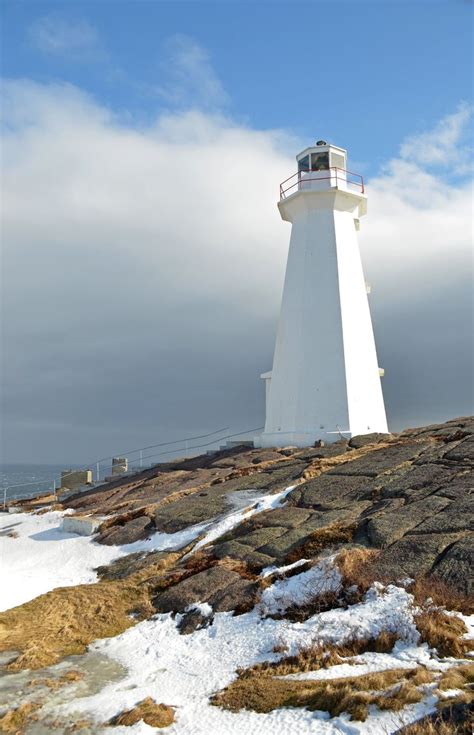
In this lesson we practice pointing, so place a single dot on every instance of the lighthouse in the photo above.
(325, 381)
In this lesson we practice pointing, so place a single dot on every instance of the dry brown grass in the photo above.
(445, 723)
(442, 595)
(336, 533)
(15, 720)
(443, 632)
(321, 657)
(67, 619)
(153, 714)
(358, 568)
(457, 678)
(387, 690)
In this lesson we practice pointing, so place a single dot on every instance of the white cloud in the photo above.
(57, 35)
(191, 79)
(143, 271)
(444, 145)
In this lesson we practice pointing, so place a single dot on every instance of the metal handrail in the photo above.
(125, 454)
(139, 459)
(359, 182)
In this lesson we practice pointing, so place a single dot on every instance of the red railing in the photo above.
(339, 176)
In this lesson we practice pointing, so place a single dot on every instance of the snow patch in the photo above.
(300, 589)
(43, 557)
(269, 571)
(230, 521)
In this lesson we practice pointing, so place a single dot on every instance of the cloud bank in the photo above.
(143, 268)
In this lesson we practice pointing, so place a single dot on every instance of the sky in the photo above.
(143, 255)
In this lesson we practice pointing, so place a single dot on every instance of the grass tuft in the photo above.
(321, 657)
(15, 720)
(441, 594)
(358, 568)
(443, 632)
(391, 690)
(153, 714)
(336, 533)
(457, 678)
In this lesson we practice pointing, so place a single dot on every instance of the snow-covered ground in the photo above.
(185, 670)
(40, 556)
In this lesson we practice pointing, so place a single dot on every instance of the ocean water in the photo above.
(25, 480)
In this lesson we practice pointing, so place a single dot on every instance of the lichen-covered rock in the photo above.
(417, 481)
(288, 516)
(463, 452)
(201, 587)
(456, 567)
(328, 492)
(380, 460)
(388, 527)
(255, 560)
(262, 536)
(414, 555)
(134, 530)
(456, 516)
(460, 486)
(239, 596)
(362, 440)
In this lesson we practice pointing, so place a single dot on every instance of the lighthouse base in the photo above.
(295, 439)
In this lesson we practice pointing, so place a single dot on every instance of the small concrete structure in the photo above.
(119, 465)
(74, 479)
(81, 525)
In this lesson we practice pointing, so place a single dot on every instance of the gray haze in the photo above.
(142, 278)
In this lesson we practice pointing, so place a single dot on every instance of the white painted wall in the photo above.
(325, 375)
(364, 389)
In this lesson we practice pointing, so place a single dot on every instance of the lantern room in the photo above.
(322, 157)
(320, 167)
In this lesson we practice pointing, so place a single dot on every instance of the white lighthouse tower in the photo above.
(325, 380)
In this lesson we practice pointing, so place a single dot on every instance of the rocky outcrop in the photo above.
(221, 588)
(407, 495)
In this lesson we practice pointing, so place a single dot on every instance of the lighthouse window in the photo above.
(303, 164)
(319, 161)
(338, 161)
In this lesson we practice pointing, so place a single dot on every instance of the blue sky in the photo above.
(363, 74)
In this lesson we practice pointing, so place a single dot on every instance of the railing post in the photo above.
(54, 490)
(4, 498)
(98, 472)
(141, 457)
